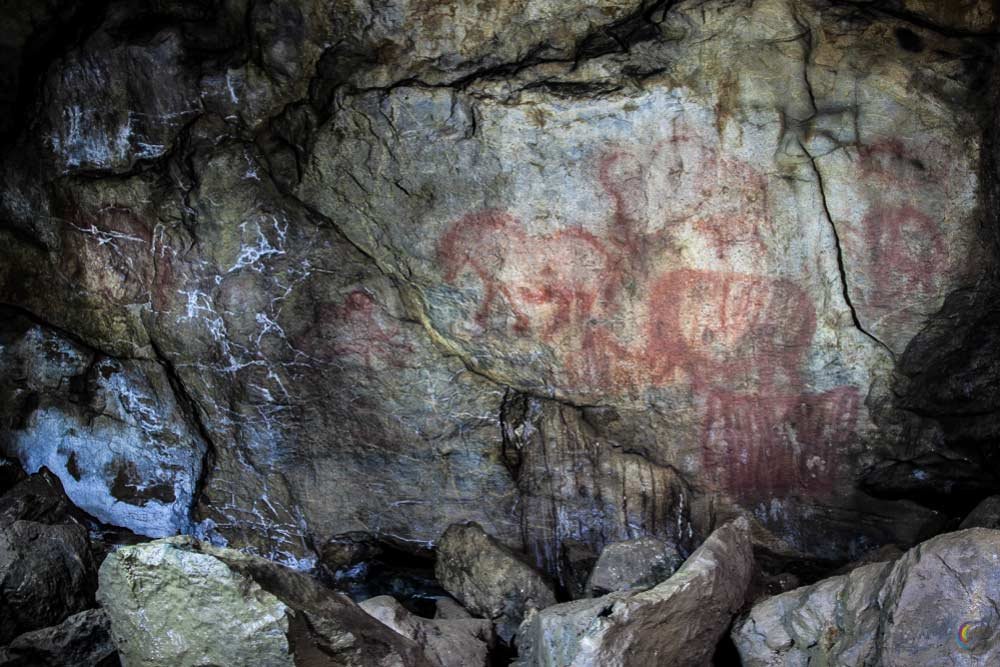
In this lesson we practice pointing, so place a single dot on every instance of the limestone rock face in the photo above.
(46, 574)
(284, 271)
(488, 579)
(638, 563)
(177, 602)
(82, 639)
(447, 642)
(114, 432)
(677, 622)
(934, 606)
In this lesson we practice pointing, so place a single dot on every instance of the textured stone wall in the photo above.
(277, 271)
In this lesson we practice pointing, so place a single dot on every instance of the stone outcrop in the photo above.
(46, 574)
(936, 605)
(985, 515)
(489, 579)
(39, 497)
(114, 432)
(677, 622)
(83, 639)
(639, 563)
(447, 642)
(179, 602)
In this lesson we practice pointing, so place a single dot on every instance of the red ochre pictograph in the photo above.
(739, 341)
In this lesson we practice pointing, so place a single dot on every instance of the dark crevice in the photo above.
(841, 265)
(874, 8)
(189, 405)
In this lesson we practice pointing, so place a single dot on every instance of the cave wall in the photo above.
(276, 271)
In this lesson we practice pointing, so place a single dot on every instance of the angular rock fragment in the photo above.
(39, 497)
(10, 473)
(82, 640)
(638, 563)
(488, 578)
(46, 574)
(677, 623)
(985, 515)
(937, 605)
(449, 610)
(180, 602)
(446, 642)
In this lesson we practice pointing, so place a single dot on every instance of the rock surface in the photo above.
(178, 602)
(677, 622)
(114, 432)
(488, 579)
(447, 642)
(639, 563)
(82, 640)
(985, 515)
(937, 605)
(39, 497)
(281, 271)
(46, 574)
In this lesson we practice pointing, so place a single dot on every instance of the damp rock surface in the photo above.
(639, 563)
(46, 574)
(489, 579)
(936, 605)
(82, 639)
(447, 642)
(677, 622)
(178, 602)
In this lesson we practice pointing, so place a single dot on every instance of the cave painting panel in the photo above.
(622, 310)
(355, 329)
(898, 249)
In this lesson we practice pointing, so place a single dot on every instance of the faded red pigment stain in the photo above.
(738, 341)
(106, 252)
(900, 249)
(725, 329)
(551, 284)
(366, 333)
(763, 446)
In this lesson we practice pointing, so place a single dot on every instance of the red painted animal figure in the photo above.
(359, 332)
(721, 329)
(551, 284)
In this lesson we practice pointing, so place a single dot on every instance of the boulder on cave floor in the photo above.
(985, 515)
(177, 602)
(446, 642)
(677, 623)
(489, 579)
(448, 610)
(83, 639)
(39, 497)
(638, 563)
(46, 574)
(937, 605)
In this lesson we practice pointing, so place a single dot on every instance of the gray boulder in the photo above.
(489, 579)
(985, 515)
(446, 642)
(638, 563)
(177, 602)
(46, 574)
(447, 609)
(934, 606)
(677, 623)
(82, 639)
